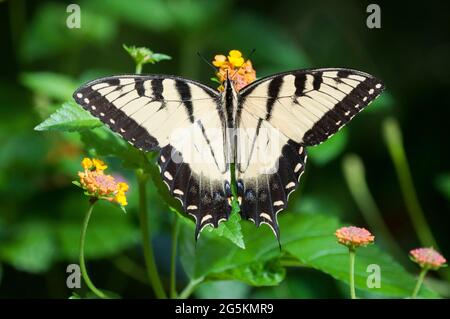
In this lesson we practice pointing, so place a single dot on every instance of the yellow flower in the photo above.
(123, 187)
(86, 163)
(99, 165)
(235, 58)
(99, 185)
(219, 60)
(241, 72)
(121, 199)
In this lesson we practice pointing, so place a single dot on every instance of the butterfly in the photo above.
(263, 129)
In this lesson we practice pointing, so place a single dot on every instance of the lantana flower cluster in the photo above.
(353, 237)
(427, 258)
(241, 72)
(99, 185)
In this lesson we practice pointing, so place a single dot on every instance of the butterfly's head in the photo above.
(228, 82)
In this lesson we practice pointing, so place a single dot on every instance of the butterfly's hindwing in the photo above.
(263, 196)
(202, 197)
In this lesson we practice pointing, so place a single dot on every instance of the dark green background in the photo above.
(41, 210)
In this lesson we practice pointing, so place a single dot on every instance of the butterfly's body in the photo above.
(264, 129)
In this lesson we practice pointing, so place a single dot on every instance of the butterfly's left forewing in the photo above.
(277, 117)
(181, 118)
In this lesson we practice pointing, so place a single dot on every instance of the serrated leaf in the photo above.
(269, 273)
(106, 143)
(69, 117)
(309, 239)
(230, 229)
(330, 149)
(143, 55)
(312, 241)
(213, 255)
(156, 57)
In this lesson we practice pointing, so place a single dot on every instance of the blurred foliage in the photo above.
(42, 212)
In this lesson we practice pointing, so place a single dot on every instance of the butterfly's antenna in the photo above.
(249, 56)
(207, 62)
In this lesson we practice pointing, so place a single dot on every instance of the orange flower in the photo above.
(241, 72)
(427, 258)
(101, 186)
(354, 237)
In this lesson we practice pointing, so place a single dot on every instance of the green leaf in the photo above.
(104, 142)
(75, 296)
(230, 229)
(307, 239)
(69, 117)
(53, 85)
(143, 55)
(311, 240)
(222, 290)
(157, 57)
(443, 184)
(330, 149)
(269, 273)
(31, 249)
(213, 255)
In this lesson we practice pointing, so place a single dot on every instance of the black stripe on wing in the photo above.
(206, 200)
(262, 198)
(346, 92)
(99, 106)
(96, 97)
(344, 110)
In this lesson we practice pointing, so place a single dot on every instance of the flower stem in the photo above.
(173, 258)
(351, 254)
(149, 257)
(394, 141)
(84, 273)
(422, 275)
(189, 289)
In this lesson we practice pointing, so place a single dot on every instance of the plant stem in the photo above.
(138, 69)
(189, 289)
(173, 258)
(354, 174)
(394, 141)
(149, 257)
(84, 273)
(351, 254)
(422, 274)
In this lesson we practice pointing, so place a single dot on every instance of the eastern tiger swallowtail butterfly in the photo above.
(264, 129)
